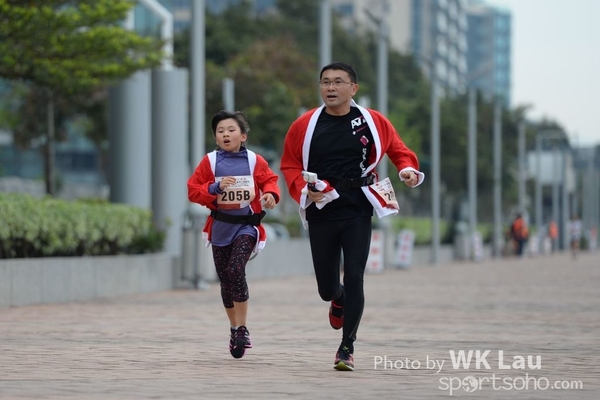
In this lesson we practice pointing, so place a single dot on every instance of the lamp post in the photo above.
(198, 75)
(197, 126)
(435, 158)
(472, 167)
(324, 38)
(497, 150)
(382, 72)
(472, 152)
(539, 140)
(382, 105)
(555, 189)
(325, 33)
(520, 175)
(435, 165)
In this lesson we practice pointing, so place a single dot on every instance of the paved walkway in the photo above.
(173, 345)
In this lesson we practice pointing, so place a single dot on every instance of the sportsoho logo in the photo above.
(478, 360)
(469, 384)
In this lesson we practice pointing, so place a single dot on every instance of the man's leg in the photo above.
(325, 246)
(356, 242)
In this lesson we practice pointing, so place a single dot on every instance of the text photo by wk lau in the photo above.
(492, 370)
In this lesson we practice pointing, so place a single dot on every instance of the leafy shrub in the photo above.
(31, 227)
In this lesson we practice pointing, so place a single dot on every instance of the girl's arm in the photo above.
(199, 185)
(266, 179)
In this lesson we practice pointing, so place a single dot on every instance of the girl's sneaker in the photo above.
(239, 341)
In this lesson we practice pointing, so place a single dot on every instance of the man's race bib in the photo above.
(238, 195)
(385, 193)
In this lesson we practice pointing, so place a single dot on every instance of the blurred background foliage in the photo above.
(273, 60)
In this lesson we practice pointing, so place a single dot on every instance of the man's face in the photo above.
(337, 90)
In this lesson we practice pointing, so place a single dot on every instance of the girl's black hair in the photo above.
(238, 116)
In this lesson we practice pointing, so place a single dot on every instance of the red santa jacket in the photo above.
(386, 141)
(265, 181)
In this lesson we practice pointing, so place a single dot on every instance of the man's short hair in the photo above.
(342, 66)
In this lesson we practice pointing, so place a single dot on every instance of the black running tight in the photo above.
(327, 241)
(230, 263)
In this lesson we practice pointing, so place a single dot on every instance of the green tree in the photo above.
(270, 95)
(65, 48)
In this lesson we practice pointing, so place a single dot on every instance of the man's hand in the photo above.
(315, 196)
(410, 178)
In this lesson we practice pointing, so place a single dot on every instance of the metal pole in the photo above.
(229, 94)
(324, 38)
(595, 195)
(596, 198)
(564, 199)
(538, 186)
(472, 166)
(588, 196)
(521, 173)
(198, 117)
(497, 148)
(382, 72)
(556, 173)
(198, 76)
(435, 166)
(382, 103)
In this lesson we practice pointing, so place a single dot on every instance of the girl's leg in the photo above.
(221, 255)
(230, 263)
(231, 268)
(240, 254)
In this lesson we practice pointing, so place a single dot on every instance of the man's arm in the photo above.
(402, 157)
(291, 161)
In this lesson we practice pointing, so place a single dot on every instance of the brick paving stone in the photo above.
(174, 345)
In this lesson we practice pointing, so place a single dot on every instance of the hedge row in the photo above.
(48, 227)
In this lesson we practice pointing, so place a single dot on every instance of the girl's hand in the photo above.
(268, 200)
(226, 182)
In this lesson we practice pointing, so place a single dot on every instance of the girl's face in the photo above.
(229, 136)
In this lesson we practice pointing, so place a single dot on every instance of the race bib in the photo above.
(385, 193)
(238, 195)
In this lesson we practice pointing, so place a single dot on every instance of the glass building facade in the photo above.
(489, 56)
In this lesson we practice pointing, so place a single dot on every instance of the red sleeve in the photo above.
(393, 146)
(291, 159)
(266, 178)
(199, 182)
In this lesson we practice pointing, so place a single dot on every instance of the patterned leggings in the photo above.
(230, 262)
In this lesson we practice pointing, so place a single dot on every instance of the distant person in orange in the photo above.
(519, 233)
(553, 234)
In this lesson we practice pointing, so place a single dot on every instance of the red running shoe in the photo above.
(336, 316)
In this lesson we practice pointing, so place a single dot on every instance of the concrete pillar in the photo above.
(169, 153)
(129, 127)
